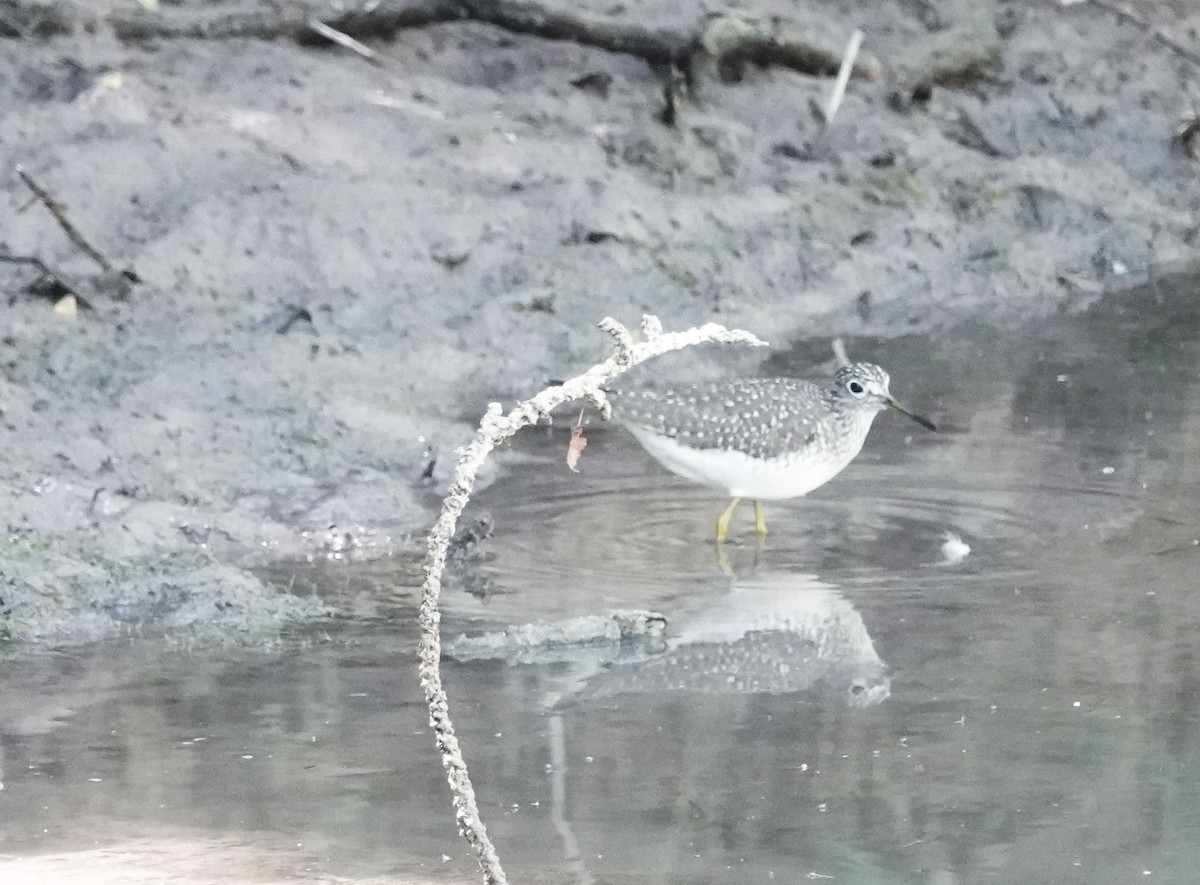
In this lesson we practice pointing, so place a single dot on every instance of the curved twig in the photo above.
(494, 428)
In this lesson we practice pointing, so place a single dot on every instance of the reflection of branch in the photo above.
(495, 428)
(557, 773)
(60, 215)
(742, 41)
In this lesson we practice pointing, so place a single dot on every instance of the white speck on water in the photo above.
(954, 549)
(1077, 704)
(1108, 471)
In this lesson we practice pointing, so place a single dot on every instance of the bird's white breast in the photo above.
(787, 476)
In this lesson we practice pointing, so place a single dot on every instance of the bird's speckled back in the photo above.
(760, 417)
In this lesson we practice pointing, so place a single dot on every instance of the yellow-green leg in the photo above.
(723, 519)
(723, 561)
(760, 524)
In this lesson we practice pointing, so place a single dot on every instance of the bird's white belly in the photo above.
(739, 474)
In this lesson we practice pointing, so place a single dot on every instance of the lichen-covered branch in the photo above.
(495, 428)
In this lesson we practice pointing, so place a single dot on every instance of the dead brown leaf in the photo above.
(575, 447)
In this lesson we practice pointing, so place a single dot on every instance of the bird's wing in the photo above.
(756, 416)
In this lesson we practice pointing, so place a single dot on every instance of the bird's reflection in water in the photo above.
(770, 633)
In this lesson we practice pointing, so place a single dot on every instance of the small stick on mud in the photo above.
(67, 287)
(839, 353)
(35, 262)
(1126, 14)
(843, 76)
(495, 428)
(674, 93)
(60, 215)
(345, 41)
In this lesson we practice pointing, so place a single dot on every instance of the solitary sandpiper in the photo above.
(759, 438)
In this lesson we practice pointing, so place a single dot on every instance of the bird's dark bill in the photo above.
(924, 422)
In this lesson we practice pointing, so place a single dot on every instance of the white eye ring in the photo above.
(855, 388)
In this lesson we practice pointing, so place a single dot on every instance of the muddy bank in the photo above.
(342, 262)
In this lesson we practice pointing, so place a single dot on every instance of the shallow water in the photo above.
(838, 701)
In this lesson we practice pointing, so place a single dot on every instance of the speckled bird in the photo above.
(760, 438)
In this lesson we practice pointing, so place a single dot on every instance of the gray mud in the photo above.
(342, 263)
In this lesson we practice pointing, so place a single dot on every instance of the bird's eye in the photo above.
(856, 388)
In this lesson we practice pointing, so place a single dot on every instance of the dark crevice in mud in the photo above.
(951, 56)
